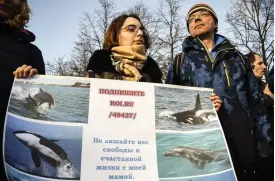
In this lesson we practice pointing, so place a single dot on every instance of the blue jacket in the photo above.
(224, 70)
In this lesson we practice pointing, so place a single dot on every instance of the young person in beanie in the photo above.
(19, 57)
(211, 61)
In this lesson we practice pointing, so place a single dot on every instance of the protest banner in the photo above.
(73, 128)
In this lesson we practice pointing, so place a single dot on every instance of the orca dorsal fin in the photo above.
(40, 90)
(198, 103)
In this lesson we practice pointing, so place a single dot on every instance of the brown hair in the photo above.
(21, 18)
(251, 57)
(111, 36)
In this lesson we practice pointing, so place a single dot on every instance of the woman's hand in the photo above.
(24, 71)
(216, 101)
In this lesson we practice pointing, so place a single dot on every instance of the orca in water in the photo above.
(43, 148)
(194, 116)
(40, 98)
(197, 156)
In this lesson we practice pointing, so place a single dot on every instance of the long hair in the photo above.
(21, 18)
(111, 36)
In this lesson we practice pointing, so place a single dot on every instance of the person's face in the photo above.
(9, 7)
(259, 67)
(201, 23)
(131, 33)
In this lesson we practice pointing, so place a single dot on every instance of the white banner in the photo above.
(72, 128)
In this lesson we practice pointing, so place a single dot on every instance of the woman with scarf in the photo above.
(123, 56)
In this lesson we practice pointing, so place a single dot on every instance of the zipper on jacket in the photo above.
(212, 61)
(209, 56)
(224, 65)
(226, 73)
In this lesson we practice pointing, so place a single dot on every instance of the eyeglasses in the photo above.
(133, 28)
(200, 14)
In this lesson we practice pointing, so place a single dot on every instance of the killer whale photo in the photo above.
(190, 154)
(49, 151)
(184, 109)
(49, 100)
(197, 156)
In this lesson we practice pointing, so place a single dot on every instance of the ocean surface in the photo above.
(171, 100)
(175, 166)
(71, 103)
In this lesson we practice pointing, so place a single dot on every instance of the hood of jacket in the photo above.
(221, 42)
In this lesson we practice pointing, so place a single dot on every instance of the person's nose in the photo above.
(139, 32)
(264, 66)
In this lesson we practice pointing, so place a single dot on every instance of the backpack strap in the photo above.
(177, 67)
(245, 62)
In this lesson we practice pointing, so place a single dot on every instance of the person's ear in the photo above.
(216, 24)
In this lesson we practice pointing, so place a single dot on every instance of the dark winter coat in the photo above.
(224, 70)
(15, 50)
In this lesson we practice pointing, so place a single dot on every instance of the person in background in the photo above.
(19, 57)
(211, 61)
(123, 56)
(265, 151)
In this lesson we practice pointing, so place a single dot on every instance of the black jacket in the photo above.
(15, 50)
(101, 62)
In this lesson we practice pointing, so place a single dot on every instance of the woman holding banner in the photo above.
(19, 58)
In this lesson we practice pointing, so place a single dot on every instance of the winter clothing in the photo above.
(103, 64)
(129, 60)
(15, 50)
(266, 152)
(224, 70)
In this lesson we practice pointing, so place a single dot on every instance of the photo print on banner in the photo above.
(184, 109)
(51, 99)
(44, 150)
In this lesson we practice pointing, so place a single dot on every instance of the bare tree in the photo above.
(79, 61)
(152, 24)
(252, 24)
(58, 67)
(93, 28)
(90, 38)
(171, 34)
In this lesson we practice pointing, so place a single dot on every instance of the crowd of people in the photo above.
(243, 101)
